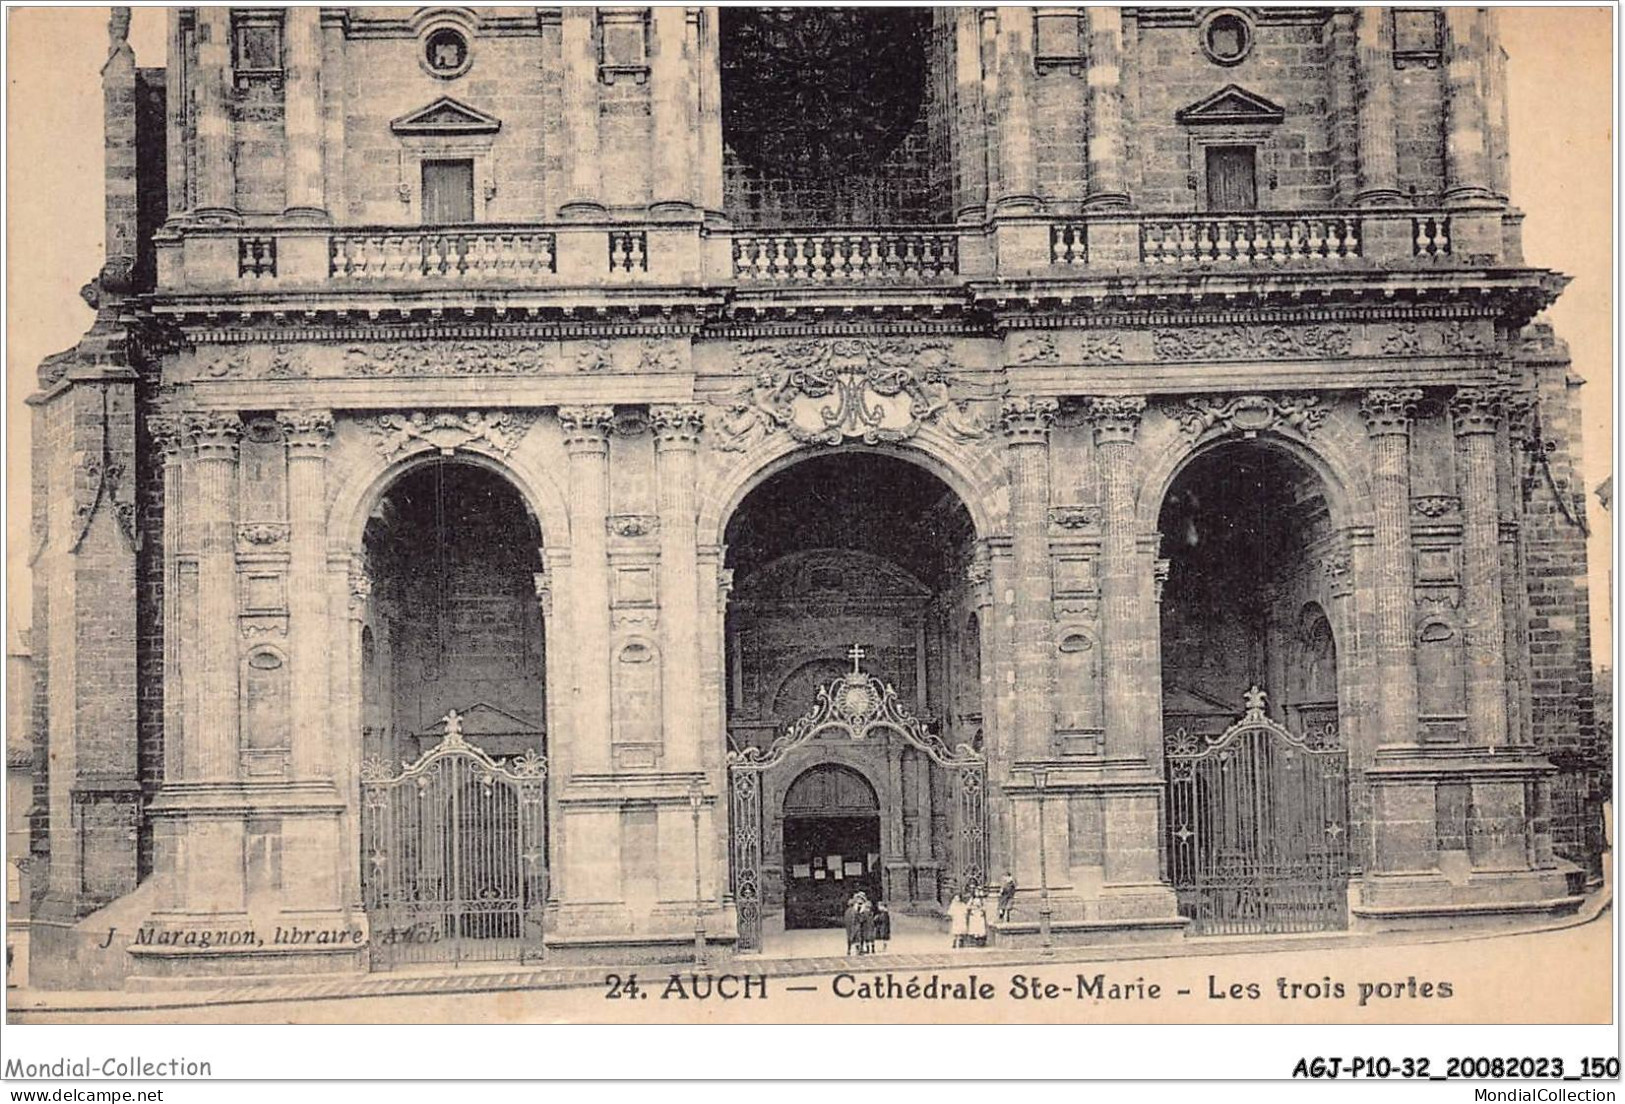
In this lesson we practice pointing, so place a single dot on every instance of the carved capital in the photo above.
(677, 426)
(214, 433)
(1388, 410)
(586, 427)
(167, 434)
(1475, 410)
(1026, 419)
(360, 589)
(308, 432)
(1115, 417)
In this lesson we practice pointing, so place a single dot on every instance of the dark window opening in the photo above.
(1228, 39)
(448, 192)
(1232, 178)
(257, 44)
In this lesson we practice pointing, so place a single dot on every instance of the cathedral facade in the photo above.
(607, 484)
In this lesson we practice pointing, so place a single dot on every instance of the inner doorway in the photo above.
(831, 845)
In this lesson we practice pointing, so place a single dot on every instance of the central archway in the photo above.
(857, 552)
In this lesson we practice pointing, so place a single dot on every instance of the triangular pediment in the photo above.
(485, 719)
(446, 116)
(1231, 104)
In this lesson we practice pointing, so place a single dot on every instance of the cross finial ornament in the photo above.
(856, 656)
(1255, 700)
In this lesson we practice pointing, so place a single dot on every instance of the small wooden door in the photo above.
(1232, 178)
(448, 192)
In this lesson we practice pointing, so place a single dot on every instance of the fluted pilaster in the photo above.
(1476, 413)
(1126, 639)
(677, 432)
(308, 434)
(586, 432)
(1388, 413)
(1026, 423)
(212, 752)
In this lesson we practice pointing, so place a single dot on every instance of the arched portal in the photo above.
(831, 845)
(454, 701)
(1257, 812)
(843, 549)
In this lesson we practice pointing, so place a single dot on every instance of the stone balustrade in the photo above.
(1258, 240)
(432, 255)
(854, 256)
(268, 258)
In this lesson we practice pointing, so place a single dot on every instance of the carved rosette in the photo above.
(631, 525)
(1074, 517)
(1435, 506)
(307, 432)
(1475, 410)
(586, 428)
(214, 433)
(1026, 420)
(1388, 410)
(1115, 418)
(1250, 414)
(677, 426)
(263, 534)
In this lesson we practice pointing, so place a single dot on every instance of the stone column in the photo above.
(1466, 149)
(1107, 189)
(671, 78)
(710, 111)
(216, 170)
(677, 432)
(1116, 420)
(1388, 420)
(212, 754)
(302, 113)
(308, 433)
(586, 442)
(970, 117)
(1379, 165)
(1026, 423)
(580, 107)
(1013, 110)
(1476, 412)
(175, 97)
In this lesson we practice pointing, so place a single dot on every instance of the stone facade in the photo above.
(330, 466)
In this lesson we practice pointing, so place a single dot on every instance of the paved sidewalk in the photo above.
(478, 980)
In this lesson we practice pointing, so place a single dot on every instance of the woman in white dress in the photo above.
(976, 922)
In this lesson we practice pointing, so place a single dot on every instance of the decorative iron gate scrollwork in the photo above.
(454, 855)
(1258, 828)
(856, 705)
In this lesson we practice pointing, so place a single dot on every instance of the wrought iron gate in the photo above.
(856, 705)
(1258, 828)
(454, 855)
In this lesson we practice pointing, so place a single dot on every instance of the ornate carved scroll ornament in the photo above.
(1202, 414)
(826, 392)
(498, 430)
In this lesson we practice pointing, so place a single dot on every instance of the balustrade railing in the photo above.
(442, 255)
(1069, 243)
(256, 256)
(1430, 236)
(790, 256)
(1248, 240)
(628, 251)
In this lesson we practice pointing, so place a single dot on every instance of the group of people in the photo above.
(868, 924)
(967, 912)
